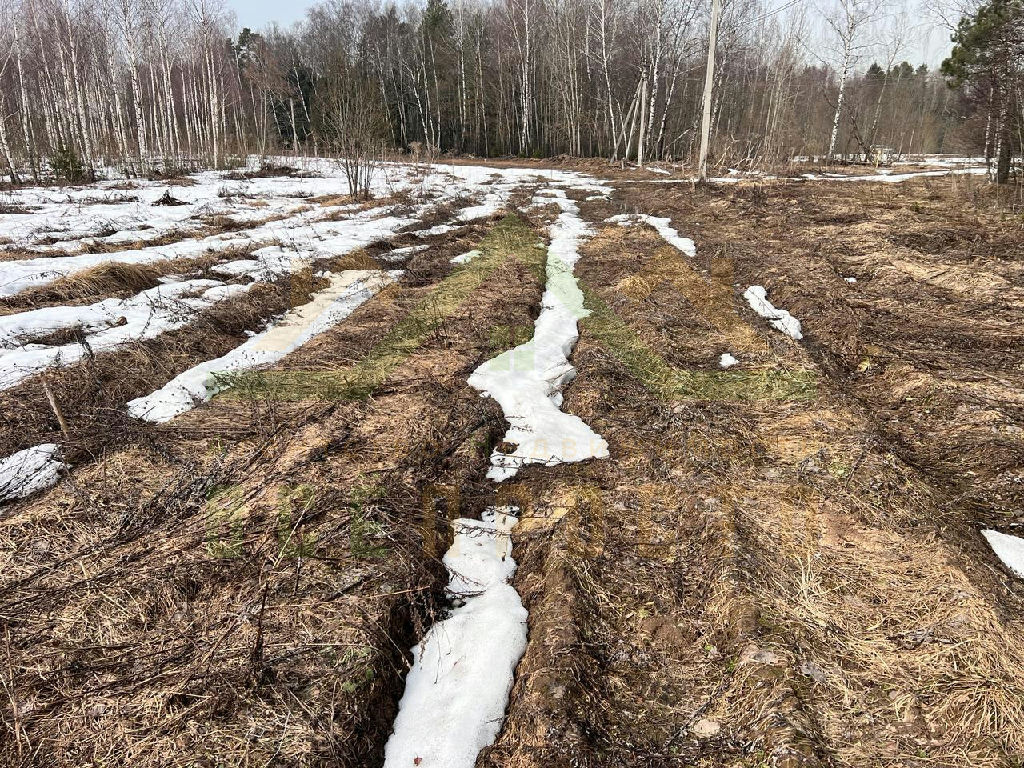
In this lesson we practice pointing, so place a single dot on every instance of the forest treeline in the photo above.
(90, 82)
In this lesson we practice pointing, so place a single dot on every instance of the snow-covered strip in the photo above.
(939, 161)
(894, 178)
(527, 381)
(457, 690)
(887, 177)
(131, 315)
(307, 230)
(33, 469)
(661, 225)
(328, 307)
(107, 325)
(780, 319)
(1009, 549)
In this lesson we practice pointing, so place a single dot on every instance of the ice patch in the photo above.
(33, 469)
(1009, 549)
(663, 228)
(328, 308)
(527, 381)
(780, 319)
(727, 360)
(457, 690)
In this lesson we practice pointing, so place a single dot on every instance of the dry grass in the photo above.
(111, 279)
(108, 278)
(779, 565)
(248, 579)
(752, 580)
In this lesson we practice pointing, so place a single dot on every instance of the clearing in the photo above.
(722, 475)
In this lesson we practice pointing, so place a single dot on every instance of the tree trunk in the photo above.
(709, 81)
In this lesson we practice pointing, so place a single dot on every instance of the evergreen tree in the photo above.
(986, 64)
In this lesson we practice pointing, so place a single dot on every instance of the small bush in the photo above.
(67, 165)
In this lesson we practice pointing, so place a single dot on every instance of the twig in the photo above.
(56, 408)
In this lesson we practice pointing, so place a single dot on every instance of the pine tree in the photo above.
(986, 63)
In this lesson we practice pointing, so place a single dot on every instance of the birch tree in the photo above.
(847, 22)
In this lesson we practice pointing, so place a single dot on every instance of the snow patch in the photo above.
(457, 690)
(663, 228)
(780, 319)
(107, 324)
(33, 469)
(328, 308)
(465, 258)
(439, 229)
(727, 360)
(401, 254)
(1009, 549)
(527, 381)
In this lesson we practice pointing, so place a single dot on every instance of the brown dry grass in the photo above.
(753, 579)
(771, 583)
(244, 583)
(111, 279)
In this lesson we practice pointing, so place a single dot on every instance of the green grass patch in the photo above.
(670, 383)
(511, 238)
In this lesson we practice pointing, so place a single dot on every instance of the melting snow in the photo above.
(401, 254)
(465, 258)
(33, 469)
(328, 308)
(727, 360)
(1009, 549)
(527, 381)
(663, 228)
(77, 216)
(780, 319)
(457, 690)
(107, 324)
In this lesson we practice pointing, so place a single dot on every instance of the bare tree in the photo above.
(847, 21)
